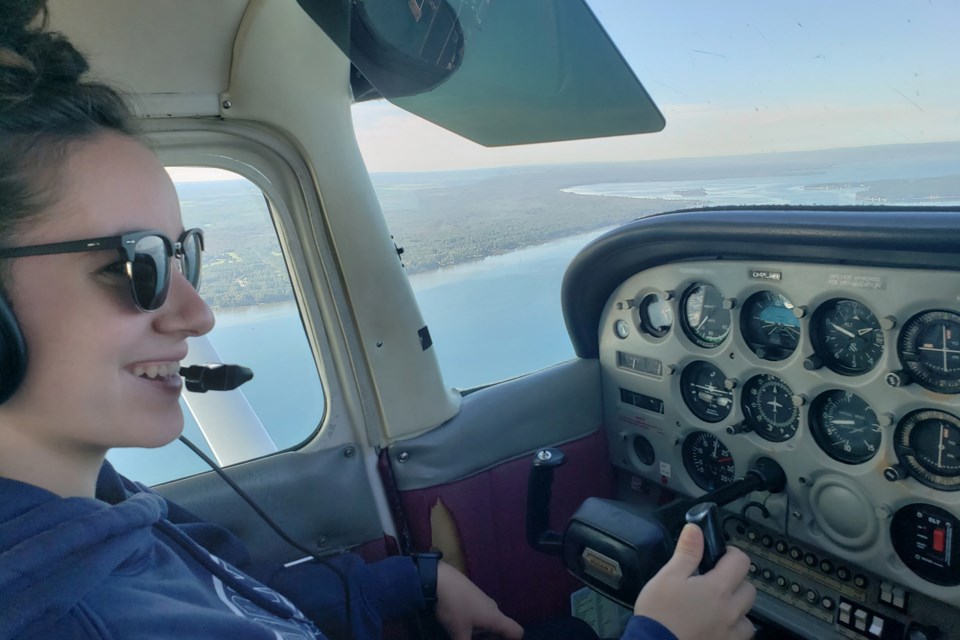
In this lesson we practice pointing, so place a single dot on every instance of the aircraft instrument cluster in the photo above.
(849, 377)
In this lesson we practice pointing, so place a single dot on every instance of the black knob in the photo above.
(740, 427)
(895, 472)
(919, 632)
(897, 378)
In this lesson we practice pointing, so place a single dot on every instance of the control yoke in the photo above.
(615, 547)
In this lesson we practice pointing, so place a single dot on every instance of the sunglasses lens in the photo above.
(151, 272)
(190, 262)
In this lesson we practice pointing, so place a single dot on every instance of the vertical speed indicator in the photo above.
(845, 426)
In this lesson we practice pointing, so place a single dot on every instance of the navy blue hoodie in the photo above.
(129, 565)
(115, 567)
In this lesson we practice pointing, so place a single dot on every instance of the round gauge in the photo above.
(708, 461)
(703, 391)
(705, 321)
(656, 316)
(927, 539)
(845, 426)
(929, 349)
(768, 408)
(927, 443)
(847, 336)
(644, 450)
(768, 325)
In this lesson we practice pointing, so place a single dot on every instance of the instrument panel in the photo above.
(848, 377)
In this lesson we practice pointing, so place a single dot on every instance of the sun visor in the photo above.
(498, 72)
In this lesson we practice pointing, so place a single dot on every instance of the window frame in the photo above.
(276, 169)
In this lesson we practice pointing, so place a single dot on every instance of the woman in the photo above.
(98, 298)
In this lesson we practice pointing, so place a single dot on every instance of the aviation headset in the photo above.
(13, 352)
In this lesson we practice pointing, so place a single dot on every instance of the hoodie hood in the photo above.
(53, 550)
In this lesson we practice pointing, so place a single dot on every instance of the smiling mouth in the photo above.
(157, 370)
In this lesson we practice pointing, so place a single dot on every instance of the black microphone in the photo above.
(214, 377)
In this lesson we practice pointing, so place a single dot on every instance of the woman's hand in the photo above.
(692, 606)
(463, 608)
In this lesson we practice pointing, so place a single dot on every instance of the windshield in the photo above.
(753, 79)
(813, 103)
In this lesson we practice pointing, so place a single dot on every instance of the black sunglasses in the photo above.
(148, 260)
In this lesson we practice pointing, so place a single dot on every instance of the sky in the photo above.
(738, 77)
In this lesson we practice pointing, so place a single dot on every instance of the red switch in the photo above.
(939, 540)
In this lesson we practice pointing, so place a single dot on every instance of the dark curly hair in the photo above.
(44, 108)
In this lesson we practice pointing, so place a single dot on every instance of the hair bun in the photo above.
(54, 58)
(15, 18)
(32, 59)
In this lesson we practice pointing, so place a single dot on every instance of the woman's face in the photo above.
(87, 343)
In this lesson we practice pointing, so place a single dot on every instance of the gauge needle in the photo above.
(704, 321)
(940, 448)
(863, 332)
(845, 332)
(843, 422)
(724, 460)
(944, 333)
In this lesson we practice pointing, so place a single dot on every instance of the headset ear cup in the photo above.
(13, 352)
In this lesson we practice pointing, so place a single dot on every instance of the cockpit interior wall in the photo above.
(475, 468)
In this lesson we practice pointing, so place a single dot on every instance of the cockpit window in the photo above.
(246, 283)
(814, 103)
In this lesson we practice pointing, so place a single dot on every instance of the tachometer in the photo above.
(708, 461)
(847, 336)
(927, 443)
(768, 408)
(845, 426)
(704, 392)
(705, 321)
(768, 325)
(929, 348)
